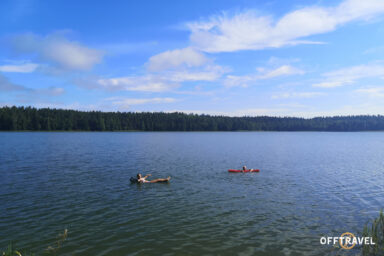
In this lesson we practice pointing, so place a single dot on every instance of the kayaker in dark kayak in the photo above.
(141, 179)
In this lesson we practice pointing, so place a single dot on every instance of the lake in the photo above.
(311, 184)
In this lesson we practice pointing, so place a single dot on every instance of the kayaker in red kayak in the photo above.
(245, 169)
(142, 179)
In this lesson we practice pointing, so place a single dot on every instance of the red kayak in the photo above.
(251, 170)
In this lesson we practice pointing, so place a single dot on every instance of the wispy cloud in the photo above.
(127, 102)
(351, 75)
(263, 74)
(124, 48)
(374, 50)
(287, 95)
(7, 86)
(305, 111)
(249, 31)
(61, 105)
(344, 110)
(187, 57)
(281, 71)
(241, 112)
(107, 104)
(147, 83)
(24, 68)
(374, 92)
(150, 82)
(57, 50)
(208, 73)
(50, 91)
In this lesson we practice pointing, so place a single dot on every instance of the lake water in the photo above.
(310, 185)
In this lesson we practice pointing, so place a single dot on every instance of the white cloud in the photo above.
(50, 91)
(58, 50)
(241, 112)
(108, 104)
(250, 31)
(332, 84)
(345, 110)
(209, 73)
(351, 75)
(176, 58)
(374, 92)
(374, 50)
(287, 95)
(155, 82)
(282, 71)
(73, 106)
(296, 111)
(125, 103)
(177, 66)
(245, 81)
(148, 83)
(242, 81)
(183, 76)
(25, 68)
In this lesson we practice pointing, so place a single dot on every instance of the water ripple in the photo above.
(310, 185)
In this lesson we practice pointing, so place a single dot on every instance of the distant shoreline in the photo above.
(126, 131)
(60, 120)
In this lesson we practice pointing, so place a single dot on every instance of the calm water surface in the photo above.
(310, 185)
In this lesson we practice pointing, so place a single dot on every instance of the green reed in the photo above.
(51, 250)
(10, 251)
(376, 231)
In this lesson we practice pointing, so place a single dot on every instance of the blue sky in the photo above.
(282, 58)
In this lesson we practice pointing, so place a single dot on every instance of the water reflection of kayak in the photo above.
(250, 170)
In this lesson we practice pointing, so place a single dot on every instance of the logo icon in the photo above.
(347, 240)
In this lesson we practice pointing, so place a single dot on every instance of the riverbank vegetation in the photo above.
(45, 119)
(51, 250)
(376, 231)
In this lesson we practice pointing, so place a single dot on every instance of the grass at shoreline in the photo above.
(50, 250)
(374, 229)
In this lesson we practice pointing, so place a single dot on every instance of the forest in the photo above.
(46, 119)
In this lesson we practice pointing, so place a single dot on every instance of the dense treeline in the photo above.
(32, 119)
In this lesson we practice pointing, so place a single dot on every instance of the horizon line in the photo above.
(191, 113)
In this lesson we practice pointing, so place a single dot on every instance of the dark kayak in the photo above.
(133, 180)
